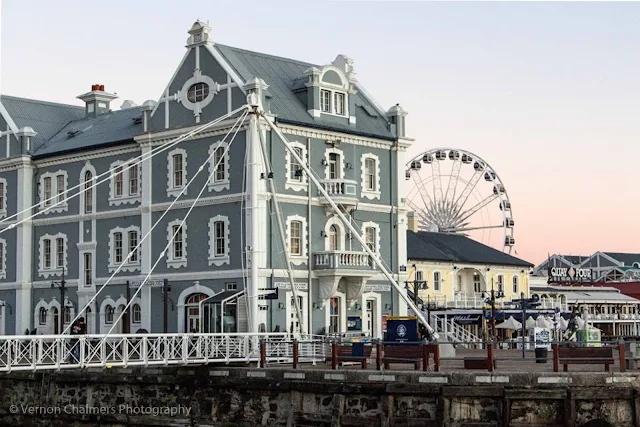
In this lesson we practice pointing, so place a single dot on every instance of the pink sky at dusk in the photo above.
(547, 93)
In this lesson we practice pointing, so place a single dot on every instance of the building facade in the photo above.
(355, 148)
(599, 267)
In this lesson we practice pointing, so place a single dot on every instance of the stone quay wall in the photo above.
(244, 396)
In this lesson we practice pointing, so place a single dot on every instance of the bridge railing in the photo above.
(41, 352)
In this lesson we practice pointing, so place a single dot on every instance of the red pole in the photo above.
(334, 355)
(490, 357)
(623, 362)
(378, 356)
(425, 357)
(556, 360)
(295, 354)
(263, 354)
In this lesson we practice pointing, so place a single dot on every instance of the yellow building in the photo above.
(457, 270)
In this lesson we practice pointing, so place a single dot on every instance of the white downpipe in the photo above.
(354, 232)
(254, 182)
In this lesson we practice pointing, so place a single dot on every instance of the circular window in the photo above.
(198, 92)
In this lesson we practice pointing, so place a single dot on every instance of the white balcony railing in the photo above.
(340, 187)
(343, 260)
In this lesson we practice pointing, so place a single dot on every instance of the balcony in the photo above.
(342, 191)
(343, 260)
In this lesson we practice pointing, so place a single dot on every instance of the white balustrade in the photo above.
(340, 187)
(343, 259)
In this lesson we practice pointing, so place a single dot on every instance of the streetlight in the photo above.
(490, 298)
(63, 290)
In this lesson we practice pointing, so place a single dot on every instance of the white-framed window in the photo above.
(122, 242)
(53, 255)
(419, 276)
(108, 314)
(459, 287)
(136, 314)
(3, 197)
(219, 166)
(437, 281)
(339, 99)
(3, 259)
(477, 286)
(334, 163)
(325, 101)
(177, 253)
(515, 284)
(232, 286)
(500, 283)
(67, 315)
(371, 236)
(296, 178)
(87, 195)
(199, 91)
(176, 172)
(297, 239)
(334, 233)
(42, 316)
(334, 238)
(125, 182)
(219, 240)
(88, 268)
(52, 191)
(370, 178)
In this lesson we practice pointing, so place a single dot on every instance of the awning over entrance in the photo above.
(222, 313)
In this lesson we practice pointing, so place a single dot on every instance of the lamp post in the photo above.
(490, 298)
(63, 290)
(524, 316)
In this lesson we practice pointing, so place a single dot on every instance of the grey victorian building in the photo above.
(52, 151)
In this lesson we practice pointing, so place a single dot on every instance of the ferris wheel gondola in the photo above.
(468, 199)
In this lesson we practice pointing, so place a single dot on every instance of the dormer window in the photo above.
(325, 101)
(197, 38)
(339, 103)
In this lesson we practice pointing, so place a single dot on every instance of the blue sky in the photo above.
(547, 93)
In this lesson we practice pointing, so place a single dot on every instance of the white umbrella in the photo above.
(510, 323)
(580, 323)
(530, 323)
(541, 322)
(564, 323)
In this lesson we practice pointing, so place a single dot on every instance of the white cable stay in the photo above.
(173, 236)
(354, 232)
(166, 211)
(136, 161)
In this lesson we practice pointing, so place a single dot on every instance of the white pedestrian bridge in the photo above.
(53, 352)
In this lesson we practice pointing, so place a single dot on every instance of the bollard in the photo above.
(623, 362)
(379, 355)
(295, 354)
(263, 354)
(556, 361)
(334, 355)
(490, 357)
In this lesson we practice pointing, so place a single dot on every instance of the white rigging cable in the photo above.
(136, 161)
(178, 229)
(166, 211)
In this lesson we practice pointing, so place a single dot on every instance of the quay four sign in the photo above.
(571, 273)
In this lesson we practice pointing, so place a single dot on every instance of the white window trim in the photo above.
(343, 312)
(366, 193)
(298, 259)
(333, 88)
(53, 270)
(343, 235)
(82, 278)
(3, 208)
(3, 266)
(88, 167)
(515, 280)
(171, 190)
(433, 281)
(291, 184)
(214, 259)
(326, 157)
(126, 250)
(224, 184)
(498, 282)
(182, 262)
(366, 225)
(126, 197)
(55, 206)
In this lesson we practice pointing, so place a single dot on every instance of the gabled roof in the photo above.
(626, 258)
(427, 246)
(46, 118)
(281, 75)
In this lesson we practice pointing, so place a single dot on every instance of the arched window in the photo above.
(88, 192)
(108, 314)
(43, 316)
(192, 312)
(334, 236)
(67, 315)
(137, 313)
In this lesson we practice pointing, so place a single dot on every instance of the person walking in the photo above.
(78, 328)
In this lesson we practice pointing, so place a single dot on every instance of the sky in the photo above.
(547, 93)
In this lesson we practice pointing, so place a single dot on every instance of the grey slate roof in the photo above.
(46, 118)
(427, 246)
(627, 259)
(281, 75)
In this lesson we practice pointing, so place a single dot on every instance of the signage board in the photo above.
(268, 294)
(541, 337)
(569, 274)
(354, 323)
(467, 319)
(377, 288)
(152, 283)
(287, 286)
(402, 329)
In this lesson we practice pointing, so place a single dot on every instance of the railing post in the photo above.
(425, 357)
(379, 350)
(556, 360)
(263, 353)
(436, 357)
(623, 361)
(334, 355)
(490, 357)
(295, 354)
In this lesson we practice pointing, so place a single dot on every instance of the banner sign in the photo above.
(151, 283)
(287, 286)
(377, 288)
(402, 330)
(571, 274)
(467, 319)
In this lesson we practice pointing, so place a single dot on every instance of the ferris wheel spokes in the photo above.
(437, 179)
(466, 214)
(453, 180)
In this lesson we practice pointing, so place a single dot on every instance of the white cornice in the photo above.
(15, 163)
(169, 135)
(331, 135)
(87, 155)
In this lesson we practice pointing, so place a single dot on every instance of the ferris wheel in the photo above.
(455, 191)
